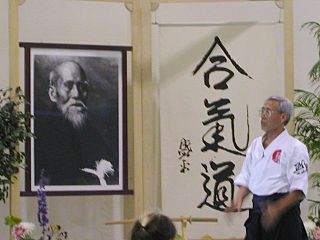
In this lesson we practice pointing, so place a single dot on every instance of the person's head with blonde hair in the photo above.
(153, 226)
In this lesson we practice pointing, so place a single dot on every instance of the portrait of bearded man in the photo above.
(69, 147)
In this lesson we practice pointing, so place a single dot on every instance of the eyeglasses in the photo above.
(81, 85)
(267, 112)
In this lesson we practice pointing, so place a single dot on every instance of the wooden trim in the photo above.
(137, 108)
(144, 124)
(116, 1)
(206, 1)
(148, 117)
(175, 1)
(14, 82)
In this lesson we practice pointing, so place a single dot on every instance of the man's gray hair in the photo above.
(285, 106)
(55, 74)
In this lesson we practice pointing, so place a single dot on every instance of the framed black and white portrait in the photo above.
(77, 95)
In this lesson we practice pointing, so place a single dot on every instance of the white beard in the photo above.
(76, 117)
(75, 112)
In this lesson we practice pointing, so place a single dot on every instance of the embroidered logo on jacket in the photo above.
(301, 167)
(276, 156)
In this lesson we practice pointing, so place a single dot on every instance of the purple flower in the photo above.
(42, 203)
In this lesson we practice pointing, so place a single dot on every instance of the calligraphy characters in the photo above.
(222, 69)
(184, 154)
(216, 61)
(213, 136)
(217, 197)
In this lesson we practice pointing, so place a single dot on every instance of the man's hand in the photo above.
(272, 211)
(271, 214)
(235, 206)
(237, 203)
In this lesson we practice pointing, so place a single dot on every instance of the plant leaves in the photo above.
(14, 129)
(12, 220)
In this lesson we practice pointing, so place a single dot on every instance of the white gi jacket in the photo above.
(281, 167)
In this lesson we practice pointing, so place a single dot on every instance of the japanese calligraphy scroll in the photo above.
(213, 80)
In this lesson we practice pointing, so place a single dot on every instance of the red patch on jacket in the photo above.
(276, 156)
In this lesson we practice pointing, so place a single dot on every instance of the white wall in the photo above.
(63, 21)
(4, 83)
(4, 61)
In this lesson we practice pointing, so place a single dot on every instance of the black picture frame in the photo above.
(89, 158)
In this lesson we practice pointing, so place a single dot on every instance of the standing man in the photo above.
(275, 171)
(70, 149)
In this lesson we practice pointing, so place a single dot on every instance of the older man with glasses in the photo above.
(275, 171)
(69, 147)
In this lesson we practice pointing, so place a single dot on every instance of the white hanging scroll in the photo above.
(213, 80)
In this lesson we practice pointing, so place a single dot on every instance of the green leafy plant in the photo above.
(24, 230)
(307, 127)
(14, 129)
(12, 220)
